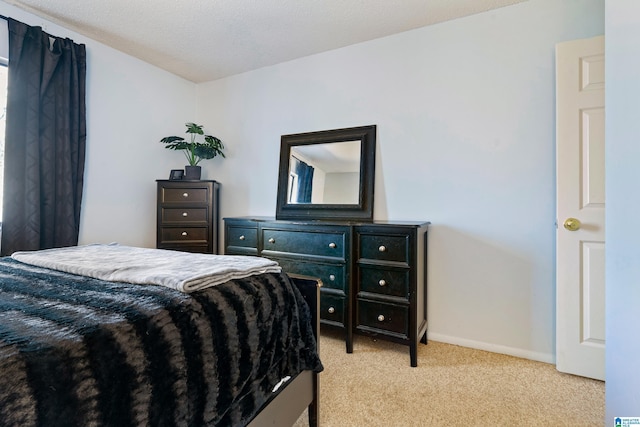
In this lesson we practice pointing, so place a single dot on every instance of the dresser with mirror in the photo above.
(373, 272)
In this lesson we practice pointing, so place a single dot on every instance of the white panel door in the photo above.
(580, 278)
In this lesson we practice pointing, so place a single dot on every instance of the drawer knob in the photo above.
(184, 233)
(382, 282)
(185, 194)
(380, 318)
(331, 310)
(241, 237)
(185, 214)
(332, 245)
(332, 277)
(382, 248)
(272, 240)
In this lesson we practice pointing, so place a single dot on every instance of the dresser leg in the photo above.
(349, 341)
(423, 339)
(413, 353)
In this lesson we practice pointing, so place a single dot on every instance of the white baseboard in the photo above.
(494, 348)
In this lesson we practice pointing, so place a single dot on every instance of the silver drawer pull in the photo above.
(382, 282)
(272, 240)
(380, 318)
(184, 233)
(332, 245)
(185, 214)
(241, 237)
(382, 248)
(185, 194)
(332, 277)
(331, 310)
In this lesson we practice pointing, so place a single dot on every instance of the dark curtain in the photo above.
(305, 181)
(44, 142)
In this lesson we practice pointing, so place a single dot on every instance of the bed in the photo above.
(89, 348)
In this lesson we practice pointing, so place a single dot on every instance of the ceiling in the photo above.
(203, 40)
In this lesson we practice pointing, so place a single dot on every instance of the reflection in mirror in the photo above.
(325, 173)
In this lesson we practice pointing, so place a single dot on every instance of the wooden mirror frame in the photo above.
(363, 210)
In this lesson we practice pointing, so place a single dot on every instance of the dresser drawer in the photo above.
(184, 215)
(172, 235)
(244, 237)
(393, 282)
(384, 247)
(328, 244)
(184, 195)
(332, 308)
(383, 316)
(333, 276)
(186, 248)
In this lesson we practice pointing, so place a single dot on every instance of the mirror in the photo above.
(327, 174)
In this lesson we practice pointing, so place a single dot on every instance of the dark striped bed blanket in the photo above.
(76, 351)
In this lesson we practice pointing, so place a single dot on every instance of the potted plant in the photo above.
(195, 151)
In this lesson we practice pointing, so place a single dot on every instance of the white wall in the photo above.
(623, 204)
(466, 139)
(130, 106)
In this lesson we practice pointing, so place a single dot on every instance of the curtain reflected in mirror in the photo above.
(326, 173)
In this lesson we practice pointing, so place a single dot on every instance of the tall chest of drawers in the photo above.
(374, 273)
(187, 216)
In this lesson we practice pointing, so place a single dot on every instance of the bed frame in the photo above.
(303, 391)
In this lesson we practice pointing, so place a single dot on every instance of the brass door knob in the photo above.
(572, 224)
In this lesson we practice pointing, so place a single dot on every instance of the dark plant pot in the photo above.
(192, 172)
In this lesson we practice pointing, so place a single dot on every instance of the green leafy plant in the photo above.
(195, 151)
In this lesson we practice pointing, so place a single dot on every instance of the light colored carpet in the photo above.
(452, 386)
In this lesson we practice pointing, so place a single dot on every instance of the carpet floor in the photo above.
(452, 386)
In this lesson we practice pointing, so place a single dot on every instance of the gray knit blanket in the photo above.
(186, 272)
